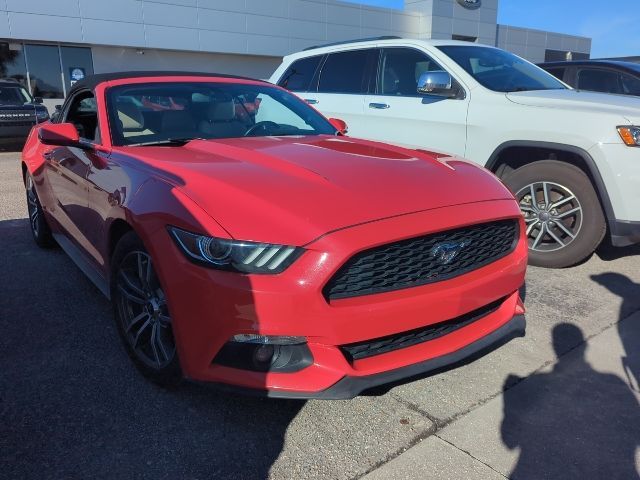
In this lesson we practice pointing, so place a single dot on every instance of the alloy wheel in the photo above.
(143, 311)
(552, 214)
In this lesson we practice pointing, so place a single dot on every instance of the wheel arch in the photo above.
(514, 154)
(117, 229)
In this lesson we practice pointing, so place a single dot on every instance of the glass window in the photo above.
(596, 80)
(346, 72)
(630, 84)
(556, 72)
(14, 95)
(12, 64)
(43, 62)
(76, 64)
(401, 69)
(299, 75)
(501, 71)
(83, 113)
(207, 110)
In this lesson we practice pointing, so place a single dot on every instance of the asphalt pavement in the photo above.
(561, 402)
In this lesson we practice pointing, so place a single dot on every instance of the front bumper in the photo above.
(14, 133)
(208, 307)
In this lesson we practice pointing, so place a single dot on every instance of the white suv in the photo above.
(571, 158)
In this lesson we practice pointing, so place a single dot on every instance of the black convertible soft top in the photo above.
(91, 81)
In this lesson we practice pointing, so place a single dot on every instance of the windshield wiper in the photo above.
(169, 142)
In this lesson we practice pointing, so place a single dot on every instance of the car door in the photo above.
(343, 80)
(67, 168)
(398, 114)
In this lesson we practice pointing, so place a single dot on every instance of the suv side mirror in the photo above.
(59, 134)
(37, 100)
(437, 83)
(339, 125)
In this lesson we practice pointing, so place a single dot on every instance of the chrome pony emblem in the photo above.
(445, 252)
(470, 4)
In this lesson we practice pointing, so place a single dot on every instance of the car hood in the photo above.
(292, 190)
(576, 100)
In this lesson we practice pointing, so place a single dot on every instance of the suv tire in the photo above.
(565, 223)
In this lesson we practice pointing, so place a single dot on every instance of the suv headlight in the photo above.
(630, 135)
(235, 255)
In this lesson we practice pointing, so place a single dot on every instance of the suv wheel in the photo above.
(141, 312)
(39, 227)
(562, 213)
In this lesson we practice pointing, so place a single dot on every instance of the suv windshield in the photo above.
(14, 95)
(501, 71)
(176, 112)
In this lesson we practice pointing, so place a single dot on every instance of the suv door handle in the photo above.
(379, 106)
(312, 101)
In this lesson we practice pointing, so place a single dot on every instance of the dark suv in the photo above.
(19, 111)
(607, 76)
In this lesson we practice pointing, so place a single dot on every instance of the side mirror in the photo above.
(339, 125)
(437, 83)
(37, 100)
(59, 134)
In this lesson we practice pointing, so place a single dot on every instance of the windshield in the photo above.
(501, 71)
(14, 96)
(176, 112)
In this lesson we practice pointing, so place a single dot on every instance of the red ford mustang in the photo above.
(244, 240)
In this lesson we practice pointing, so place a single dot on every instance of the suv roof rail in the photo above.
(357, 40)
(13, 80)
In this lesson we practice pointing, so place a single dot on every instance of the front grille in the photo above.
(17, 124)
(418, 261)
(378, 346)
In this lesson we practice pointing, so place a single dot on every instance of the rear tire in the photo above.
(38, 223)
(563, 215)
(141, 313)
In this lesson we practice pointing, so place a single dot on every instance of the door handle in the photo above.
(379, 106)
(312, 101)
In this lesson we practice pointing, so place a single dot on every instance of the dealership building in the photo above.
(48, 45)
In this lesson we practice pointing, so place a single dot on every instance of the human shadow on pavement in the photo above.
(73, 406)
(573, 422)
(629, 292)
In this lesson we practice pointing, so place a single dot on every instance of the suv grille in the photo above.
(378, 346)
(418, 261)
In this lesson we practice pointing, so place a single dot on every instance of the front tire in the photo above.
(38, 223)
(562, 212)
(142, 314)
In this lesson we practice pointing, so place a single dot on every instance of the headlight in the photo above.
(42, 115)
(630, 135)
(234, 255)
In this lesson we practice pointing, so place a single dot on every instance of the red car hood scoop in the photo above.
(292, 190)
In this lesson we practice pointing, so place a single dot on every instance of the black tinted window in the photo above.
(299, 75)
(346, 72)
(630, 85)
(556, 72)
(599, 81)
(400, 70)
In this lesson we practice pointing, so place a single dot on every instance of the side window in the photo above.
(300, 74)
(630, 84)
(400, 70)
(597, 80)
(556, 72)
(347, 72)
(83, 113)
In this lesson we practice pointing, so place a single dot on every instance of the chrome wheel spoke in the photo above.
(561, 202)
(539, 237)
(545, 193)
(139, 292)
(569, 212)
(561, 226)
(555, 237)
(530, 227)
